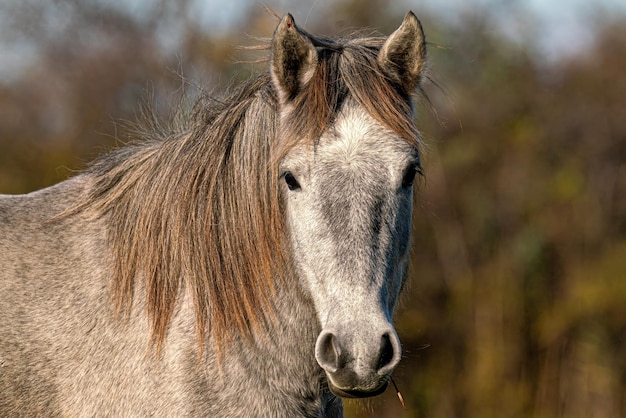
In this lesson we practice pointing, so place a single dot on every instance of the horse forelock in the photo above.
(196, 208)
(348, 68)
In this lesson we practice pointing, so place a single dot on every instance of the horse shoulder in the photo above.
(42, 267)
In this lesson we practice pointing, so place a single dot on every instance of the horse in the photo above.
(244, 261)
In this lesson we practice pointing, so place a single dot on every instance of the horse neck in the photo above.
(287, 345)
(292, 324)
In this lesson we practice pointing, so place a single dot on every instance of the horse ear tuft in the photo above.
(403, 56)
(294, 59)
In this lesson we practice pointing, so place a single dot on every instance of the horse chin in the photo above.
(356, 393)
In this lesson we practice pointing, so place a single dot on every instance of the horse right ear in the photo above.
(403, 56)
(293, 61)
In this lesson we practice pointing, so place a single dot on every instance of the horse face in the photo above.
(348, 201)
(348, 197)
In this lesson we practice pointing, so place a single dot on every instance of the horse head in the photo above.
(347, 189)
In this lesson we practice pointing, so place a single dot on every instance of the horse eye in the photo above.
(292, 183)
(409, 175)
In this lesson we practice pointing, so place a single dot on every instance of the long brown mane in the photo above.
(196, 207)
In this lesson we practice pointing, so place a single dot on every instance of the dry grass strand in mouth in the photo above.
(398, 393)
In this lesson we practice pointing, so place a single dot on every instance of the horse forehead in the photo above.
(357, 140)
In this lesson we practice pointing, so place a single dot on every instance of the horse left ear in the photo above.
(294, 59)
(403, 55)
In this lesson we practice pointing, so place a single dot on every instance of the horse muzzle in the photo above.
(358, 367)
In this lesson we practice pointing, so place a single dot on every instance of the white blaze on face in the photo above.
(349, 218)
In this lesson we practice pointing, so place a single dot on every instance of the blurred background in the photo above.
(517, 303)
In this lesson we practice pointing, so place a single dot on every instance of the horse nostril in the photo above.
(387, 358)
(327, 352)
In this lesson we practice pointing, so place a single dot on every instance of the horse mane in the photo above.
(197, 206)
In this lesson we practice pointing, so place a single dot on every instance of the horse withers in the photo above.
(244, 262)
